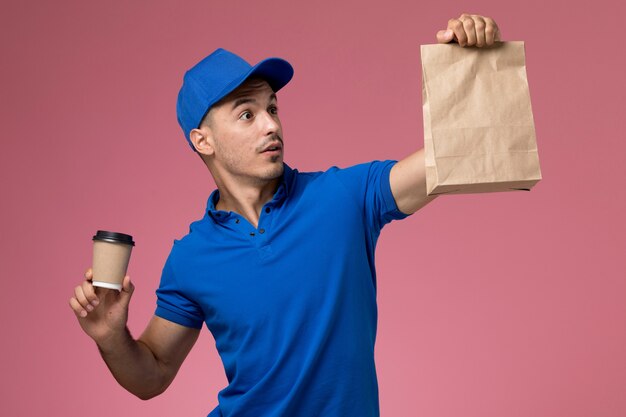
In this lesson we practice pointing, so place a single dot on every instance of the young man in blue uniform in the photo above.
(281, 266)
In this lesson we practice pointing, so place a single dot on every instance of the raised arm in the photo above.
(408, 176)
(146, 366)
(408, 183)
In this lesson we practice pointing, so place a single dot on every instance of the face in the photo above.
(244, 134)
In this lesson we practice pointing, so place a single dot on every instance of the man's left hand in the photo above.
(470, 30)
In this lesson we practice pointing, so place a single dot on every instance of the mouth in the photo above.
(274, 147)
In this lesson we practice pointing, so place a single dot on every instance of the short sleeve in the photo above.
(172, 303)
(369, 183)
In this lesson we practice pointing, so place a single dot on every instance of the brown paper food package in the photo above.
(479, 133)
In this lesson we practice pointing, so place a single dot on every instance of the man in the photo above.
(281, 266)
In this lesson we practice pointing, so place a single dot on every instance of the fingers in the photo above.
(472, 30)
(77, 308)
(492, 33)
(469, 28)
(84, 300)
(479, 30)
(127, 291)
(445, 36)
(459, 32)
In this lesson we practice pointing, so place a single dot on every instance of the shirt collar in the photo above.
(285, 186)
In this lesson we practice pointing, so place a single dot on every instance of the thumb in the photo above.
(445, 36)
(127, 291)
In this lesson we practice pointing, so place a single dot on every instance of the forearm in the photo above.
(133, 365)
(145, 367)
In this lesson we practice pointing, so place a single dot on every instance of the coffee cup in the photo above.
(111, 253)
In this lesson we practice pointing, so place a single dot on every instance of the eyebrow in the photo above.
(244, 100)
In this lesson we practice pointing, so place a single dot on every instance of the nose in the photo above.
(270, 123)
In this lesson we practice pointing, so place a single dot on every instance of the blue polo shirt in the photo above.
(291, 304)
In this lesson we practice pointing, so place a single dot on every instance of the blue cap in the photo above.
(216, 76)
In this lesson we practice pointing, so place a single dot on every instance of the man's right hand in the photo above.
(146, 366)
(101, 312)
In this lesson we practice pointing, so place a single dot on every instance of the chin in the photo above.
(275, 171)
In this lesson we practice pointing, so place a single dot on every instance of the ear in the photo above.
(202, 139)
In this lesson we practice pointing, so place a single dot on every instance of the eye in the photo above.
(273, 110)
(246, 115)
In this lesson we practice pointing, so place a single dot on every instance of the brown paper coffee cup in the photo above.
(111, 253)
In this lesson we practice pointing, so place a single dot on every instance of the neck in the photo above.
(246, 199)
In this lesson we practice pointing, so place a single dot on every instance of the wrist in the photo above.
(114, 341)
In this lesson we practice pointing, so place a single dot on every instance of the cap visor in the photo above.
(276, 71)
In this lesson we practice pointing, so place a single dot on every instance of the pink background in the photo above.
(508, 304)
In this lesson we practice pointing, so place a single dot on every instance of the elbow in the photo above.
(145, 396)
